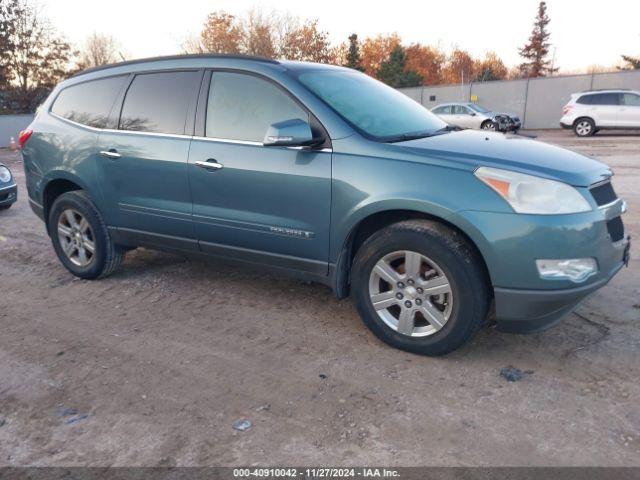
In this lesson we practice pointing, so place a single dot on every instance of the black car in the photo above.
(8, 188)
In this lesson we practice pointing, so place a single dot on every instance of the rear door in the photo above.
(629, 113)
(264, 204)
(604, 109)
(444, 113)
(143, 163)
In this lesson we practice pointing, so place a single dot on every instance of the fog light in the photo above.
(575, 269)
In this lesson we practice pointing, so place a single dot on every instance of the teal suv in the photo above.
(325, 173)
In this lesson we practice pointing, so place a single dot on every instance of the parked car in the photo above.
(8, 188)
(472, 115)
(594, 110)
(328, 174)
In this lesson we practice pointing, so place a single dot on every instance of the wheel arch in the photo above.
(57, 183)
(379, 219)
(584, 117)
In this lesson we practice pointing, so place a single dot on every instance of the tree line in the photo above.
(34, 57)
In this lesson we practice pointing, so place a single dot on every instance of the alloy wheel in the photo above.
(76, 237)
(410, 293)
(583, 128)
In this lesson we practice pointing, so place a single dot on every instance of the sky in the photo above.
(583, 33)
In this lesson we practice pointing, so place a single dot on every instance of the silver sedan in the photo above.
(471, 115)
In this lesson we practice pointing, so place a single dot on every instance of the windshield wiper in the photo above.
(415, 135)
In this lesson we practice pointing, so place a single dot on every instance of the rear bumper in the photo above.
(37, 209)
(530, 311)
(8, 195)
(566, 126)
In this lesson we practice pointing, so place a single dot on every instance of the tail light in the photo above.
(566, 109)
(24, 136)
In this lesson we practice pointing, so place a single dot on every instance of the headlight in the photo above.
(5, 175)
(530, 194)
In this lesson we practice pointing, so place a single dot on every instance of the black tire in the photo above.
(487, 123)
(457, 259)
(5, 207)
(584, 127)
(107, 256)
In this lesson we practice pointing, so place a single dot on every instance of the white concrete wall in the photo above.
(10, 126)
(538, 101)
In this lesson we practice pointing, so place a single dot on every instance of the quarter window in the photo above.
(158, 102)
(89, 103)
(242, 107)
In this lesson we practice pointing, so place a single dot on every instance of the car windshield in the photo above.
(478, 108)
(373, 108)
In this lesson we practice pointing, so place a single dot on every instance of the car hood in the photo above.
(472, 149)
(506, 114)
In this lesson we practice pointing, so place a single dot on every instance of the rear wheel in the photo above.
(80, 237)
(419, 286)
(584, 127)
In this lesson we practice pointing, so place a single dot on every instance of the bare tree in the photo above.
(39, 58)
(99, 49)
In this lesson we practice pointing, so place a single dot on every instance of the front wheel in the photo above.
(489, 125)
(80, 237)
(419, 286)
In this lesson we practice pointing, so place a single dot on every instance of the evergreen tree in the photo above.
(535, 53)
(394, 73)
(634, 63)
(353, 55)
(8, 18)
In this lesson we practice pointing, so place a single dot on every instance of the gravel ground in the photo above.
(152, 366)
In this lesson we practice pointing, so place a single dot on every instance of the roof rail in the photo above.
(177, 57)
(608, 90)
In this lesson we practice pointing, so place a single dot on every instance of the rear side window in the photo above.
(601, 99)
(89, 103)
(443, 110)
(158, 102)
(242, 107)
(585, 99)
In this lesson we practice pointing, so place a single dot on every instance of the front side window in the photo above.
(89, 103)
(158, 102)
(370, 106)
(631, 99)
(478, 108)
(460, 110)
(242, 107)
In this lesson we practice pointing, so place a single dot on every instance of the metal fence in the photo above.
(10, 126)
(538, 101)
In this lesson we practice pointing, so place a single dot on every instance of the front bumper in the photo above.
(8, 194)
(530, 311)
(511, 244)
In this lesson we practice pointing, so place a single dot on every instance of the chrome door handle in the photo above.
(110, 154)
(209, 165)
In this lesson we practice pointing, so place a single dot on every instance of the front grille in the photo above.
(615, 227)
(603, 193)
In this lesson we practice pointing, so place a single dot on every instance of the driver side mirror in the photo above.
(473, 114)
(289, 133)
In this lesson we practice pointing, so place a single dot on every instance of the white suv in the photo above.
(588, 112)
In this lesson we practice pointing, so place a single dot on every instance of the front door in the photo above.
(261, 204)
(629, 113)
(143, 164)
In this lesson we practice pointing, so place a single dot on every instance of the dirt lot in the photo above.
(153, 365)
